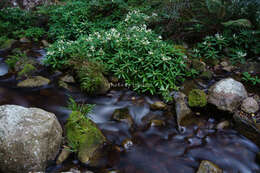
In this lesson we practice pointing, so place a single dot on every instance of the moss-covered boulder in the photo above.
(197, 98)
(198, 65)
(83, 136)
(91, 78)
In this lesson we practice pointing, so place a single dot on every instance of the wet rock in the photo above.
(158, 105)
(7, 44)
(188, 85)
(68, 79)
(63, 155)
(36, 81)
(249, 105)
(229, 68)
(157, 123)
(127, 144)
(223, 125)
(248, 125)
(123, 115)
(84, 137)
(227, 94)
(182, 110)
(208, 167)
(24, 40)
(197, 98)
(29, 137)
(224, 63)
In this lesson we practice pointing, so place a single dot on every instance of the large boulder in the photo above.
(227, 94)
(29, 137)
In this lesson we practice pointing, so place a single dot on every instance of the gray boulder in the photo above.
(227, 94)
(29, 137)
(250, 105)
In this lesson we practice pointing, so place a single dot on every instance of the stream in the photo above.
(150, 148)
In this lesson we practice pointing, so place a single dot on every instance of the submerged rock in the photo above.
(29, 137)
(182, 110)
(158, 105)
(197, 98)
(36, 81)
(250, 105)
(123, 115)
(227, 94)
(208, 167)
(84, 137)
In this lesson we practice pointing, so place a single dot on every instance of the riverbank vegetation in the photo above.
(142, 43)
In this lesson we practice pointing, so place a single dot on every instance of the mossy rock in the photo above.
(206, 75)
(197, 98)
(123, 115)
(91, 78)
(35, 81)
(6, 43)
(27, 70)
(198, 65)
(83, 136)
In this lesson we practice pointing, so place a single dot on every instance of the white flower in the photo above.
(165, 58)
(219, 37)
(160, 37)
(150, 53)
(241, 54)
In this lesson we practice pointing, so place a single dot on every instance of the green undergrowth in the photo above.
(130, 51)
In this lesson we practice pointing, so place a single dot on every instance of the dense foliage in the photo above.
(123, 37)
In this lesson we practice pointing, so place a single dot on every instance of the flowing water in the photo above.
(153, 149)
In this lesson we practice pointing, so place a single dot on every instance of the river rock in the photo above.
(63, 155)
(123, 115)
(29, 137)
(208, 167)
(250, 105)
(182, 110)
(35, 81)
(227, 94)
(158, 105)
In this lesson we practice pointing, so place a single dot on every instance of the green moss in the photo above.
(27, 70)
(83, 135)
(6, 43)
(91, 78)
(206, 75)
(197, 98)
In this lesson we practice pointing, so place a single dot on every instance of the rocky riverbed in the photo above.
(143, 134)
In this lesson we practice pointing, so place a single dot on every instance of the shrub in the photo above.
(15, 19)
(249, 78)
(238, 46)
(131, 51)
(34, 33)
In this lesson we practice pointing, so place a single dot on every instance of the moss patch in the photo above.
(197, 98)
(27, 70)
(91, 78)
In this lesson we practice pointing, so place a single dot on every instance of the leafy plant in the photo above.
(34, 33)
(131, 51)
(249, 78)
(85, 109)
